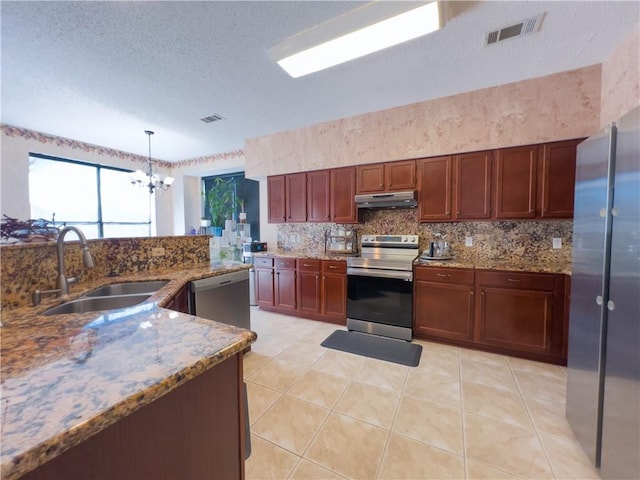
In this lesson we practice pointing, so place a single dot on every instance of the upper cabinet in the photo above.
(556, 179)
(455, 187)
(515, 182)
(276, 199)
(318, 196)
(472, 185)
(386, 177)
(342, 193)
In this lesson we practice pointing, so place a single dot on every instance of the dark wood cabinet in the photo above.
(435, 188)
(512, 313)
(308, 285)
(556, 179)
(296, 197)
(276, 199)
(334, 291)
(444, 303)
(318, 196)
(516, 311)
(264, 281)
(386, 177)
(284, 284)
(343, 190)
(472, 185)
(180, 301)
(400, 175)
(515, 183)
(370, 178)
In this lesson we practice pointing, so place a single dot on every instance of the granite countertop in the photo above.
(67, 377)
(304, 254)
(513, 265)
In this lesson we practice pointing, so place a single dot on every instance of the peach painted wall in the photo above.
(554, 107)
(621, 79)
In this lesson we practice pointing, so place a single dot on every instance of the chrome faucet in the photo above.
(63, 282)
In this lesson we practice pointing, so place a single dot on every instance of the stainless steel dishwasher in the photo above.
(223, 298)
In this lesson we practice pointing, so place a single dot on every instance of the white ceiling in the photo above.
(103, 72)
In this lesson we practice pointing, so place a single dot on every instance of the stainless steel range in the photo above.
(380, 286)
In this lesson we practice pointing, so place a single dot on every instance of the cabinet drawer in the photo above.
(308, 265)
(444, 275)
(334, 266)
(263, 262)
(526, 281)
(285, 263)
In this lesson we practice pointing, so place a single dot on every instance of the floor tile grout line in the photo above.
(535, 428)
(395, 414)
(462, 420)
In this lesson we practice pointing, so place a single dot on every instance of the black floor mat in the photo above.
(373, 346)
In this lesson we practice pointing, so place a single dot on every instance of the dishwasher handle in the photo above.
(218, 281)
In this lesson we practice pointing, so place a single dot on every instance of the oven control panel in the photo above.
(390, 240)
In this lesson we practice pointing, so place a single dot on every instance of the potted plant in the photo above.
(221, 200)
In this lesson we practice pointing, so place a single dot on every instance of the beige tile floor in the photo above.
(318, 413)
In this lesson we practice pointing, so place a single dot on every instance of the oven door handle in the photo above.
(394, 274)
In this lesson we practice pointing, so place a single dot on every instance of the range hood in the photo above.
(387, 200)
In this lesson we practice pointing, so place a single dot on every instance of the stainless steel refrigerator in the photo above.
(603, 387)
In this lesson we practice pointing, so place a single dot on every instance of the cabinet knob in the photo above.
(471, 292)
(611, 305)
(317, 276)
(599, 299)
(447, 212)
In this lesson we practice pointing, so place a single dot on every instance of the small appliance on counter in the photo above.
(342, 241)
(438, 249)
(249, 248)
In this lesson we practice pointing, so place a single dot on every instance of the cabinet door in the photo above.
(308, 285)
(370, 178)
(400, 175)
(285, 289)
(444, 310)
(472, 185)
(296, 197)
(334, 297)
(276, 199)
(180, 302)
(516, 319)
(343, 191)
(318, 194)
(264, 287)
(515, 183)
(556, 179)
(434, 185)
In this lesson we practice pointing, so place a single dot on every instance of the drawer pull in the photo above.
(306, 264)
(332, 266)
(446, 275)
(513, 280)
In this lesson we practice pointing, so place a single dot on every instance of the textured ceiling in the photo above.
(103, 72)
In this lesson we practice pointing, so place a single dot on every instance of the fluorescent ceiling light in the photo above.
(355, 40)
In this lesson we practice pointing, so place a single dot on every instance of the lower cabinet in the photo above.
(284, 284)
(444, 303)
(180, 302)
(309, 288)
(334, 291)
(514, 313)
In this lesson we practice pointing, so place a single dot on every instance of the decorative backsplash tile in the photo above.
(524, 240)
(28, 267)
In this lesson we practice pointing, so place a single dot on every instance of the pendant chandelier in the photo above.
(149, 179)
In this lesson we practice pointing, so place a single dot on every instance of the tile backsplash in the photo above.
(496, 240)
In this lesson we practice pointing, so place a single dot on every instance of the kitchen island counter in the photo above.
(66, 378)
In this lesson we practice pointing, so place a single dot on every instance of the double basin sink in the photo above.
(109, 297)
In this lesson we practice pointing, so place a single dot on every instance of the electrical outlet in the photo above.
(468, 241)
(557, 242)
(157, 252)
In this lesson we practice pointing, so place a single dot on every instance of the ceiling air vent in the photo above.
(212, 118)
(525, 27)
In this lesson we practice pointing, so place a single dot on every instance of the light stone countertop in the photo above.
(67, 377)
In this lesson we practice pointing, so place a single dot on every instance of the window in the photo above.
(99, 200)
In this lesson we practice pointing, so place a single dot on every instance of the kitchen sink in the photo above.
(93, 304)
(130, 288)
